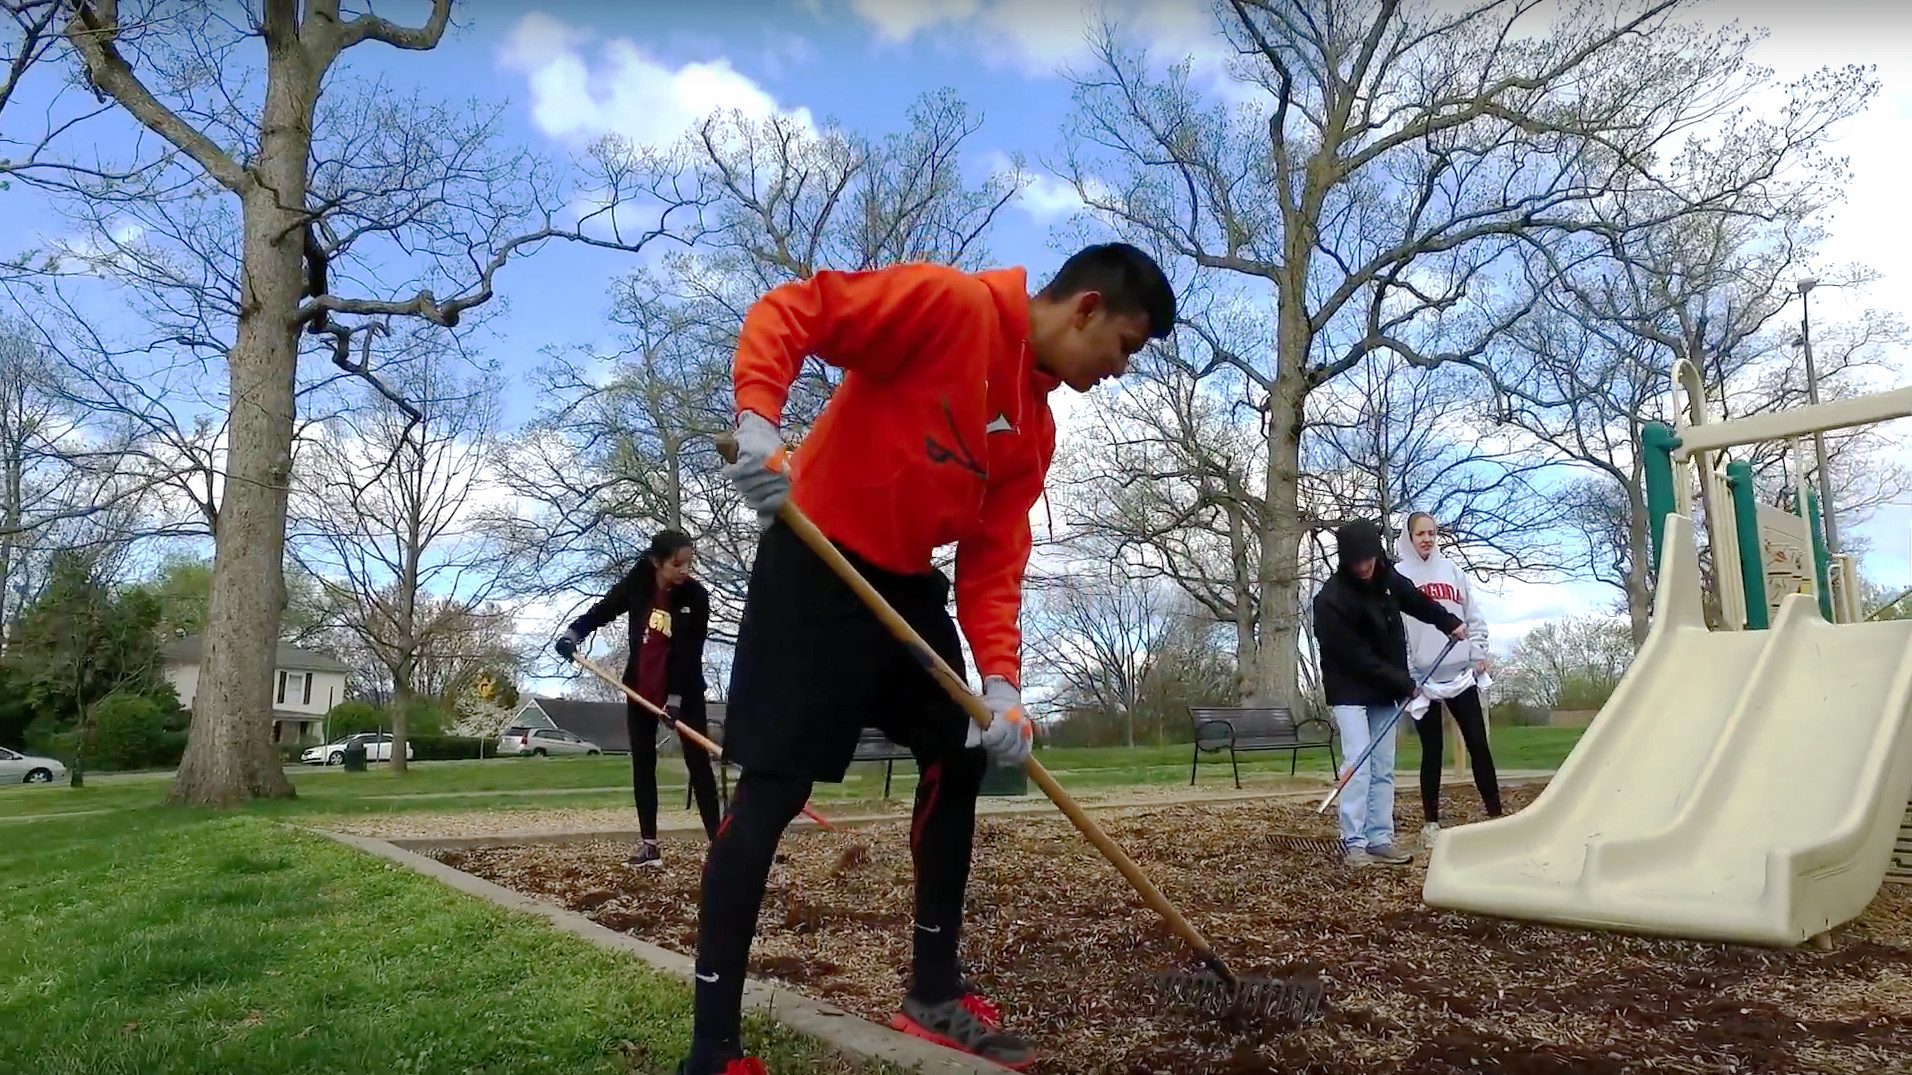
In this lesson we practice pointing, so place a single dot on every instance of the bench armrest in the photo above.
(1328, 724)
(1206, 723)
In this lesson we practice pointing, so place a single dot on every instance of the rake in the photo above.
(1219, 992)
(1326, 845)
(696, 738)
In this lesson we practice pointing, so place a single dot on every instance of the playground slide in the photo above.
(1742, 786)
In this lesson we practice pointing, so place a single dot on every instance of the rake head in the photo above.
(1326, 845)
(1270, 1002)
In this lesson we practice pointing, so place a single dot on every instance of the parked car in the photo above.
(538, 742)
(18, 768)
(378, 747)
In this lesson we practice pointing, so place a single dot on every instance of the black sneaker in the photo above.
(967, 1024)
(647, 855)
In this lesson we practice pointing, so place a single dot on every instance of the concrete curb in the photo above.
(846, 1033)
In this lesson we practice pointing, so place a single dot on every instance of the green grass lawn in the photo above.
(145, 939)
(605, 781)
(176, 941)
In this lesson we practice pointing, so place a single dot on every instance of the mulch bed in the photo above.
(1056, 936)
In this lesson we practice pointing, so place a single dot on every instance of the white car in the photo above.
(378, 747)
(538, 742)
(18, 768)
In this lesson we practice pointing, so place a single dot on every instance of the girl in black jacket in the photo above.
(669, 617)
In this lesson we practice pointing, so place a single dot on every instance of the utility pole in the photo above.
(1812, 397)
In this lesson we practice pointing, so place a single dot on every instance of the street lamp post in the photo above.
(1812, 397)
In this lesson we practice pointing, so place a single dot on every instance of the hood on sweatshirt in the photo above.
(1444, 581)
(1405, 554)
(1357, 540)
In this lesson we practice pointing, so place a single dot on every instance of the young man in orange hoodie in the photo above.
(940, 433)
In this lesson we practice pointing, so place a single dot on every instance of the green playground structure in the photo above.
(1789, 553)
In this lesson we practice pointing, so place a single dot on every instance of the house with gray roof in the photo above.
(305, 686)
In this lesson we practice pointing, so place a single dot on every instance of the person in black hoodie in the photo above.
(1363, 643)
(670, 614)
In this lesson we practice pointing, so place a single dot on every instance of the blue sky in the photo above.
(574, 70)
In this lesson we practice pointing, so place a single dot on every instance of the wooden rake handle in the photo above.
(794, 518)
(696, 737)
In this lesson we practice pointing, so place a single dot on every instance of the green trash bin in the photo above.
(355, 757)
(1000, 780)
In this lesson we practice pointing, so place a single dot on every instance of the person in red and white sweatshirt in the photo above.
(1455, 684)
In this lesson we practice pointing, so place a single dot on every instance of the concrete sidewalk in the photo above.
(465, 832)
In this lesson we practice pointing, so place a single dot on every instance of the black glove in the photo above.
(567, 643)
(674, 707)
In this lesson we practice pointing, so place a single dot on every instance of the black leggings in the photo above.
(1466, 709)
(737, 867)
(703, 782)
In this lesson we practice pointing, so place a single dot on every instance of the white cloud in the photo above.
(1037, 37)
(900, 20)
(1047, 199)
(625, 89)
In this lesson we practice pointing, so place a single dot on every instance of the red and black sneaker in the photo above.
(969, 1024)
(747, 1065)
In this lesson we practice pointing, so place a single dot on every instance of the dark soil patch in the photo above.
(1057, 937)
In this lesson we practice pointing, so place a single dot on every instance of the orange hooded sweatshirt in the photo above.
(939, 433)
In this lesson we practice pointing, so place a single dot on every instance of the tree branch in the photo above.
(92, 31)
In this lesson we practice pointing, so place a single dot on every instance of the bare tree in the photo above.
(67, 476)
(1402, 154)
(1167, 485)
(624, 446)
(1573, 663)
(266, 218)
(385, 513)
(1100, 635)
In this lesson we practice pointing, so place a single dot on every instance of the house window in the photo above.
(308, 689)
(294, 684)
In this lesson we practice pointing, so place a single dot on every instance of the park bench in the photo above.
(873, 745)
(1244, 729)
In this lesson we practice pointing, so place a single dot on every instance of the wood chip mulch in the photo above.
(1056, 937)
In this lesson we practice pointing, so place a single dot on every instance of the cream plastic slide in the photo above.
(1740, 786)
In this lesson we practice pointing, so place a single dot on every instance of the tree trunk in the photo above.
(674, 457)
(1247, 652)
(1279, 581)
(76, 777)
(1639, 581)
(15, 494)
(229, 757)
(408, 640)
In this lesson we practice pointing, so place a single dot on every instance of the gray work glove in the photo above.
(568, 643)
(1009, 736)
(759, 474)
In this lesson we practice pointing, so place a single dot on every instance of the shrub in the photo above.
(127, 732)
(353, 717)
(172, 747)
(447, 747)
(425, 719)
(48, 735)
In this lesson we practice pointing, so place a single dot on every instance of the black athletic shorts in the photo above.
(814, 666)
